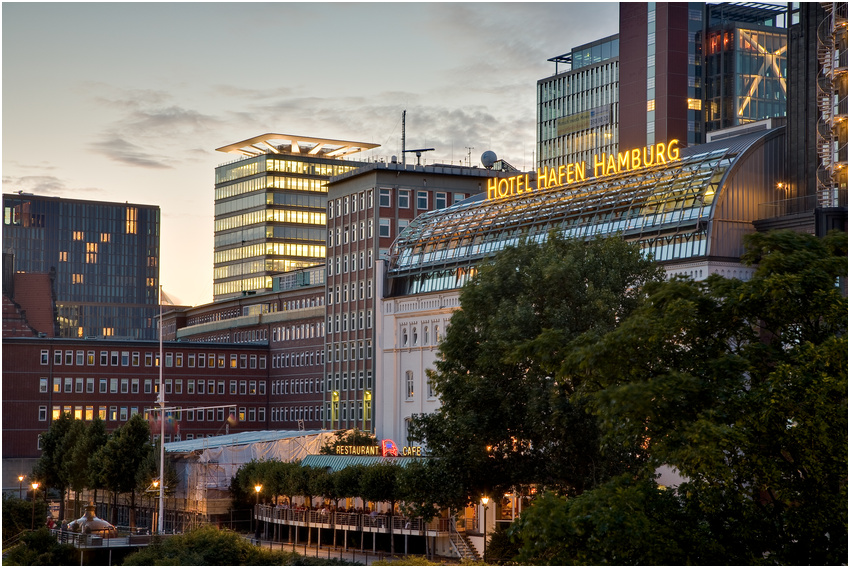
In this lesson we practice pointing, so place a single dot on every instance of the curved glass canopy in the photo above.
(665, 209)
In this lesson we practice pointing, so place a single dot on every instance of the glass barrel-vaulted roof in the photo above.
(667, 209)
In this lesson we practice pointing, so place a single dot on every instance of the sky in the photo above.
(127, 102)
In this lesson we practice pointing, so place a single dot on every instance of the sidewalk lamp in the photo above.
(258, 487)
(484, 501)
(34, 488)
(21, 486)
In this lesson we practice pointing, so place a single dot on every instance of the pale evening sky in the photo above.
(128, 102)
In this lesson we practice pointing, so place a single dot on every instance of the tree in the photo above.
(40, 548)
(507, 414)
(124, 454)
(380, 483)
(353, 437)
(742, 388)
(50, 468)
(84, 454)
(75, 464)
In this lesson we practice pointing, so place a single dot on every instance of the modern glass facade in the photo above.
(105, 256)
(698, 206)
(577, 110)
(744, 76)
(270, 208)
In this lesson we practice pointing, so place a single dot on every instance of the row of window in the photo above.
(302, 359)
(408, 386)
(297, 413)
(297, 386)
(359, 290)
(357, 232)
(342, 265)
(296, 332)
(411, 337)
(126, 358)
(150, 386)
(339, 412)
(350, 203)
(338, 324)
(340, 382)
(353, 351)
(124, 413)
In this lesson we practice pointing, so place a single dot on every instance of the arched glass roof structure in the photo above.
(696, 207)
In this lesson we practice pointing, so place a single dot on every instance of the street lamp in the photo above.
(21, 486)
(257, 488)
(34, 487)
(484, 501)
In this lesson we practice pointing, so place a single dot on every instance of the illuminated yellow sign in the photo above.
(603, 165)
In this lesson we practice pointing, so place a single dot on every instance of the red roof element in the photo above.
(30, 312)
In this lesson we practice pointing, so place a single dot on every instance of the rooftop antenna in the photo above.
(418, 153)
(469, 150)
(403, 139)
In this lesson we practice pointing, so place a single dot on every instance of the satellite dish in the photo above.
(488, 158)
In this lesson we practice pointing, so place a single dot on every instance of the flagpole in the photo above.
(161, 425)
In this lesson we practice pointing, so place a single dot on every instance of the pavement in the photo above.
(367, 557)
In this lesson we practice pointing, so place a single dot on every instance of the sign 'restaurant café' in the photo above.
(603, 165)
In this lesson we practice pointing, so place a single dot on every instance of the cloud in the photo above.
(128, 153)
(51, 186)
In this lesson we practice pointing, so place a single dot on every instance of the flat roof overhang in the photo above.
(307, 145)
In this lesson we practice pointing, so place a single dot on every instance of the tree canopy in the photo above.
(508, 413)
(741, 386)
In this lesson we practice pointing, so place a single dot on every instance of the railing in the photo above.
(354, 521)
(803, 204)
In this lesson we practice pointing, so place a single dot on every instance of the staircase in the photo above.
(461, 544)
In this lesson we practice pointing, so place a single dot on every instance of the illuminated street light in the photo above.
(21, 486)
(257, 488)
(484, 501)
(34, 488)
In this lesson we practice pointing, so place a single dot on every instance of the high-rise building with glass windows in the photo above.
(577, 109)
(104, 258)
(270, 208)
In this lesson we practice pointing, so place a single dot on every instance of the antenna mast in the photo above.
(403, 117)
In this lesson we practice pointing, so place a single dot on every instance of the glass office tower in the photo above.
(577, 109)
(105, 257)
(270, 208)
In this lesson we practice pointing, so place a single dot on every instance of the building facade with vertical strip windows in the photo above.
(270, 207)
(105, 257)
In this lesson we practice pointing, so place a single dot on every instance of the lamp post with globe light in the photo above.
(258, 487)
(484, 501)
(21, 486)
(34, 488)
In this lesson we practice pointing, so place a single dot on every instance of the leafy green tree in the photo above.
(40, 548)
(209, 546)
(50, 468)
(18, 514)
(380, 482)
(124, 454)
(418, 484)
(347, 438)
(74, 464)
(507, 414)
(347, 481)
(86, 450)
(742, 388)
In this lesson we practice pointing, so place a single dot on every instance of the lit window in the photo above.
(695, 104)
(650, 105)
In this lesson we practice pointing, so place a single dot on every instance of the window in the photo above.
(134, 386)
(45, 356)
(113, 385)
(42, 413)
(113, 358)
(384, 198)
(440, 200)
(422, 200)
(221, 387)
(458, 197)
(384, 227)
(233, 362)
(190, 387)
(123, 413)
(252, 388)
(68, 384)
(80, 358)
(136, 358)
(147, 386)
(90, 358)
(221, 362)
(57, 385)
(90, 413)
(102, 386)
(178, 360)
(169, 359)
(57, 358)
(69, 357)
(232, 387)
(191, 360)
(125, 358)
(252, 414)
(125, 386)
(113, 413)
(243, 387)
(404, 199)
(408, 381)
(148, 359)
(42, 384)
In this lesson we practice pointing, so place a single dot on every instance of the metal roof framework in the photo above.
(272, 143)
(666, 209)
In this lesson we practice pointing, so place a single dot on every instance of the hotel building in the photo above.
(270, 208)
